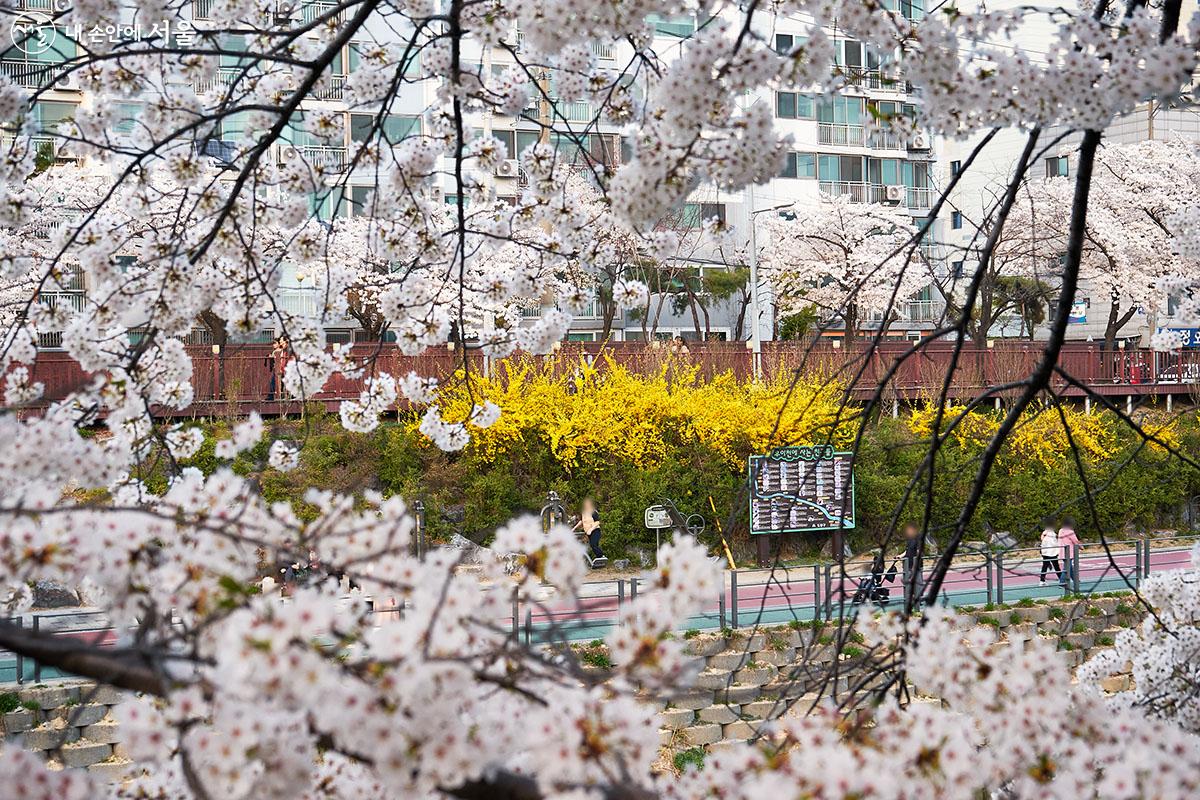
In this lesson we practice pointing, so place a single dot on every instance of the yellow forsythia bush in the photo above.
(591, 413)
(1040, 435)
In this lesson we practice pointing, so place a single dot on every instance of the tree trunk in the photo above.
(1116, 320)
(695, 314)
(741, 318)
(850, 315)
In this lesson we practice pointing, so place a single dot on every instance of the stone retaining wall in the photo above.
(70, 723)
(749, 678)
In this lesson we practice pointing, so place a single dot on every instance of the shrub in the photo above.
(9, 702)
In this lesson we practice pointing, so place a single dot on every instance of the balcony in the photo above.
(605, 51)
(922, 310)
(920, 198)
(71, 300)
(47, 146)
(857, 192)
(300, 302)
(873, 79)
(575, 110)
(224, 76)
(836, 134)
(886, 140)
(326, 157)
(202, 9)
(313, 10)
(330, 87)
(30, 74)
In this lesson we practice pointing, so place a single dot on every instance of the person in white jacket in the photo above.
(1050, 550)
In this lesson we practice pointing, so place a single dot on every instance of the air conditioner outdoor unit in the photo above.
(920, 141)
(68, 81)
(894, 194)
(288, 153)
(507, 168)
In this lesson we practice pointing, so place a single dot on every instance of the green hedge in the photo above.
(1138, 487)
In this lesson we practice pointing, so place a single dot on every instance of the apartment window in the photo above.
(800, 165)
(696, 213)
(956, 220)
(841, 110)
(840, 168)
(682, 26)
(509, 138)
(955, 167)
(395, 126)
(956, 269)
(786, 42)
(793, 105)
(884, 171)
(359, 195)
(1056, 167)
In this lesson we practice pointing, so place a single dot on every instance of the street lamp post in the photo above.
(755, 333)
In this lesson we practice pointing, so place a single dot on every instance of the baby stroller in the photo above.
(871, 589)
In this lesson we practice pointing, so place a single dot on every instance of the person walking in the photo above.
(1050, 550)
(589, 522)
(1067, 540)
(280, 356)
(913, 562)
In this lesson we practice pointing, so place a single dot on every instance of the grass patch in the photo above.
(691, 633)
(692, 757)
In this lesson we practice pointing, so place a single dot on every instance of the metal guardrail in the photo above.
(756, 597)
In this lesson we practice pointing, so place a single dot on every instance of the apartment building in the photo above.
(979, 188)
(834, 153)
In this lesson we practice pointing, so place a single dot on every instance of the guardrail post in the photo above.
(1137, 562)
(733, 611)
(999, 578)
(37, 664)
(816, 591)
(1146, 551)
(20, 658)
(1075, 566)
(516, 618)
(528, 626)
(620, 596)
(419, 510)
(828, 592)
(721, 610)
(987, 565)
(633, 584)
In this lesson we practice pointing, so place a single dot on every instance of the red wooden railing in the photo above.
(237, 380)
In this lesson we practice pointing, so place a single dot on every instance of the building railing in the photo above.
(886, 140)
(202, 9)
(874, 79)
(919, 198)
(30, 74)
(326, 156)
(575, 110)
(224, 76)
(833, 133)
(331, 87)
(605, 51)
(857, 192)
(313, 10)
(73, 300)
(300, 302)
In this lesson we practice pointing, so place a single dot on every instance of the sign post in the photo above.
(802, 489)
(658, 519)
